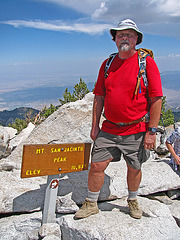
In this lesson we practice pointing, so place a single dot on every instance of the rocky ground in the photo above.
(22, 199)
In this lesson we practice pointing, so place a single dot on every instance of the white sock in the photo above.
(132, 194)
(93, 196)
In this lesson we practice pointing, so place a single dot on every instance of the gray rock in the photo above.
(4, 137)
(174, 208)
(173, 194)
(114, 222)
(162, 149)
(72, 123)
(161, 197)
(20, 227)
(11, 131)
(4, 141)
(50, 229)
(51, 237)
(7, 166)
(21, 136)
(66, 204)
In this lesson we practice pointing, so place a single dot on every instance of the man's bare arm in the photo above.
(155, 111)
(174, 155)
(97, 110)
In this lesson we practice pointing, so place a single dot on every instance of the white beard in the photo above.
(124, 47)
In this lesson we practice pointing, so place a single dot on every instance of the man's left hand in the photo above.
(150, 140)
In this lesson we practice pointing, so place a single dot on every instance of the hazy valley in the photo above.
(39, 97)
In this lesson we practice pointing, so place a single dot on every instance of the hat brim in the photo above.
(140, 34)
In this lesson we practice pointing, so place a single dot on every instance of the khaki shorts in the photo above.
(108, 146)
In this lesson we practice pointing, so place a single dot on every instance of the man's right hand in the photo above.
(94, 132)
(177, 159)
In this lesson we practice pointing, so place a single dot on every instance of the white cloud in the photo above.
(85, 6)
(172, 55)
(90, 28)
(171, 7)
(160, 17)
(147, 11)
(150, 10)
(102, 10)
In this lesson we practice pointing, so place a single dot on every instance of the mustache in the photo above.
(124, 41)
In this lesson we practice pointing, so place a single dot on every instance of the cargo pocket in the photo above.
(145, 155)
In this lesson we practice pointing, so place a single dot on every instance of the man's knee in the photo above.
(132, 170)
(99, 166)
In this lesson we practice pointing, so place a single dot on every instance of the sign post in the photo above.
(53, 160)
(49, 215)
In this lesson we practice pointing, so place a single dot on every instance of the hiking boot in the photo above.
(88, 208)
(134, 209)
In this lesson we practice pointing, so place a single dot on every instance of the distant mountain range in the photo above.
(171, 80)
(8, 117)
(39, 97)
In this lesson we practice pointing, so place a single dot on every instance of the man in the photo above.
(174, 139)
(124, 130)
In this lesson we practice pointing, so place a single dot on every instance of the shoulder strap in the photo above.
(108, 64)
(142, 52)
(142, 55)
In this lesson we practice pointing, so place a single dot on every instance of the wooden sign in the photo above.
(50, 159)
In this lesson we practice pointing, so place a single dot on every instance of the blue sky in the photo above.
(56, 42)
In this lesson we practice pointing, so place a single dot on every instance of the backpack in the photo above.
(142, 55)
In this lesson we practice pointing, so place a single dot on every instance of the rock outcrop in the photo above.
(6, 134)
(72, 123)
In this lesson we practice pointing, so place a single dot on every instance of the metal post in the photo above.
(49, 215)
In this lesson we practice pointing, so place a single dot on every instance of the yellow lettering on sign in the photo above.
(78, 167)
(39, 150)
(60, 159)
(67, 149)
(55, 150)
(73, 149)
(33, 172)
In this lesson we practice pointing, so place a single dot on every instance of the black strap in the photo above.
(108, 63)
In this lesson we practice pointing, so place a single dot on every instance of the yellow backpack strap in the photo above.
(142, 54)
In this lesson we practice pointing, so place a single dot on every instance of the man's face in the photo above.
(126, 39)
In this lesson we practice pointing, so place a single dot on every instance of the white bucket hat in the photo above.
(127, 24)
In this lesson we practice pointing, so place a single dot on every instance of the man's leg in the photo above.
(133, 180)
(96, 175)
(95, 182)
(104, 147)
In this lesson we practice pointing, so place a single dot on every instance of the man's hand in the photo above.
(149, 140)
(177, 159)
(94, 132)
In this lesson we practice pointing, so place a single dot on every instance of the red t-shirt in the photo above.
(120, 103)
